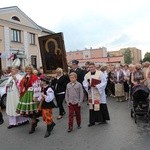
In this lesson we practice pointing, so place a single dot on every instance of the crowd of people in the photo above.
(31, 93)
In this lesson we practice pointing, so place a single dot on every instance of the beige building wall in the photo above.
(2, 48)
(86, 54)
(114, 53)
(24, 48)
(11, 12)
(135, 54)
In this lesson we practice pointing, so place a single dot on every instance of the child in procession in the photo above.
(74, 97)
(47, 105)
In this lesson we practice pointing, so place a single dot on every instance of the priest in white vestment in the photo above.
(13, 99)
(95, 83)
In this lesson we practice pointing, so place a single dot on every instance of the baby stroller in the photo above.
(140, 102)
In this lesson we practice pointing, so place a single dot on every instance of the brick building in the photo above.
(86, 54)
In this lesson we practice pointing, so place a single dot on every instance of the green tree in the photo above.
(146, 57)
(127, 56)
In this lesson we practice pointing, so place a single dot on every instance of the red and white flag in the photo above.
(11, 57)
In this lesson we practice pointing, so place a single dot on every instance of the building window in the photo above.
(16, 35)
(32, 38)
(86, 56)
(34, 61)
(15, 18)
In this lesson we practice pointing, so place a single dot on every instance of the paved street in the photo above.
(121, 133)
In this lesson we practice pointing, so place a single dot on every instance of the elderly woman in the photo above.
(147, 70)
(145, 67)
(110, 84)
(147, 82)
(30, 94)
(126, 73)
(59, 86)
(118, 81)
(138, 75)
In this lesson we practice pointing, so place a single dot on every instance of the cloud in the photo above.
(92, 23)
(123, 39)
(90, 29)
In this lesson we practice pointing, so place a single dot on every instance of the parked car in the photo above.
(3, 95)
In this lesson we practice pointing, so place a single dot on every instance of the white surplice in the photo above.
(101, 87)
(12, 95)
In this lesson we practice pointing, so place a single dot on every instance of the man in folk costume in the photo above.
(47, 105)
(30, 92)
(95, 83)
(13, 96)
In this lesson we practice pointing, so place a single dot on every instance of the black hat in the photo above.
(75, 62)
(46, 79)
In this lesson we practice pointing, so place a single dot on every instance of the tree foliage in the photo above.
(127, 56)
(146, 57)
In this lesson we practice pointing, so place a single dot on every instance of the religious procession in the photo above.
(31, 94)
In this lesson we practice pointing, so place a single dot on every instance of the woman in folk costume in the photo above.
(118, 81)
(47, 105)
(95, 83)
(13, 96)
(30, 94)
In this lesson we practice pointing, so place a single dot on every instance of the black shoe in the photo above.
(24, 123)
(32, 128)
(1, 122)
(103, 122)
(91, 124)
(79, 127)
(31, 131)
(11, 126)
(48, 131)
(47, 134)
(69, 130)
(52, 126)
(64, 113)
(36, 122)
(1, 118)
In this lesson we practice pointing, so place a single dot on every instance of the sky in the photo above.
(114, 24)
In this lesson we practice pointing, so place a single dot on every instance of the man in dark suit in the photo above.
(80, 73)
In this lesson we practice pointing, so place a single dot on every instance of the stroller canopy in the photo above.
(140, 92)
